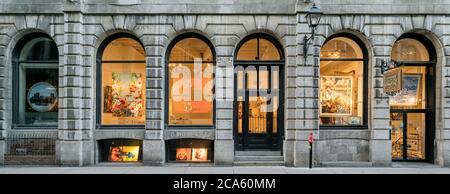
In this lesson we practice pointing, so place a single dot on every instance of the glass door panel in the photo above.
(397, 136)
(257, 115)
(416, 136)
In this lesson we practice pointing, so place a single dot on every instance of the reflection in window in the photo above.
(123, 83)
(341, 83)
(409, 49)
(37, 86)
(191, 82)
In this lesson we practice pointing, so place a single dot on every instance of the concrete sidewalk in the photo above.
(174, 169)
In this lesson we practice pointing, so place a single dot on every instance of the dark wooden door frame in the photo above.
(274, 141)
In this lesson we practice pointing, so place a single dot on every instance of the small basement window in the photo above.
(189, 150)
(120, 150)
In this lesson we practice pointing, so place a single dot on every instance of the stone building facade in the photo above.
(80, 27)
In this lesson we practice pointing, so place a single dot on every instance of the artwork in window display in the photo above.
(124, 98)
(336, 95)
(124, 153)
(354, 120)
(42, 97)
(410, 91)
(199, 154)
(107, 103)
(183, 154)
(192, 154)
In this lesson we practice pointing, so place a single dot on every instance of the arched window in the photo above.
(35, 82)
(409, 49)
(258, 48)
(343, 82)
(121, 82)
(190, 79)
(413, 108)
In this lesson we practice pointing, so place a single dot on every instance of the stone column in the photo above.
(443, 120)
(74, 145)
(306, 94)
(380, 144)
(224, 144)
(5, 84)
(153, 144)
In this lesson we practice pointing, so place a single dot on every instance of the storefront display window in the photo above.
(120, 150)
(123, 83)
(189, 150)
(36, 89)
(190, 83)
(342, 83)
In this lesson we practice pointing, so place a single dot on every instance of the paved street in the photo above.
(403, 168)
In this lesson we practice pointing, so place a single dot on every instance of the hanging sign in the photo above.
(392, 81)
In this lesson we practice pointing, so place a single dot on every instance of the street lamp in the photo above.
(313, 17)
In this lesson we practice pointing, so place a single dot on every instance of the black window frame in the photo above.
(167, 61)
(281, 63)
(99, 63)
(365, 60)
(15, 79)
(430, 108)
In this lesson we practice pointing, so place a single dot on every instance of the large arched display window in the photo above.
(343, 82)
(121, 82)
(413, 109)
(35, 82)
(259, 93)
(190, 82)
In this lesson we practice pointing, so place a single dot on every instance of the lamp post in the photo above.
(313, 18)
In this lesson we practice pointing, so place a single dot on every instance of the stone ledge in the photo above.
(115, 133)
(345, 164)
(189, 134)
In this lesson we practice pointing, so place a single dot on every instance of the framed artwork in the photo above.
(108, 99)
(184, 154)
(124, 154)
(336, 95)
(354, 120)
(410, 91)
(199, 154)
(124, 98)
(42, 97)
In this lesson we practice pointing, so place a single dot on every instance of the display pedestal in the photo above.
(223, 152)
(381, 153)
(74, 153)
(301, 153)
(153, 152)
(443, 152)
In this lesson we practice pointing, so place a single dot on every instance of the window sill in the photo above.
(345, 127)
(187, 127)
(19, 127)
(120, 127)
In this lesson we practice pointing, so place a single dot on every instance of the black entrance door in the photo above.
(257, 108)
(412, 115)
(410, 135)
